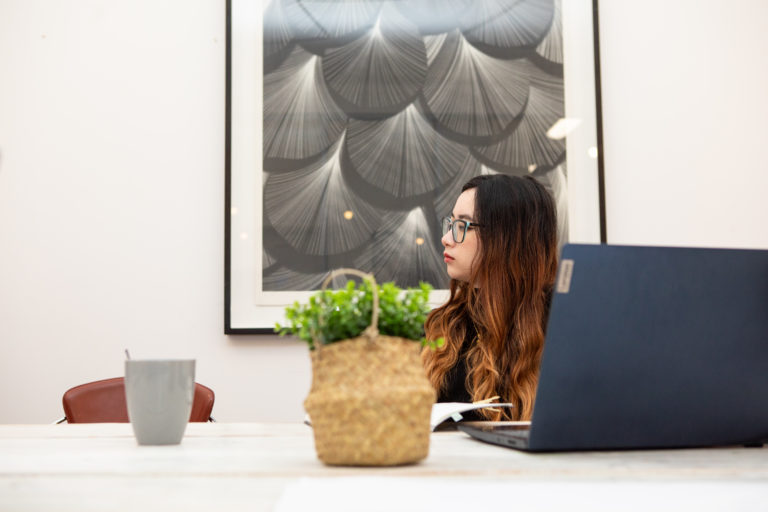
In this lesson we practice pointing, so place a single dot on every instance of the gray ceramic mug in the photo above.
(159, 394)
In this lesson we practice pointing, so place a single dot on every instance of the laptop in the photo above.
(649, 347)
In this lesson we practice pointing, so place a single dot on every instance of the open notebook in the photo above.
(454, 411)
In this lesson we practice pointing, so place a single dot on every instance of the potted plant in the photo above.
(370, 400)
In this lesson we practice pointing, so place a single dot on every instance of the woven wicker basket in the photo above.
(370, 400)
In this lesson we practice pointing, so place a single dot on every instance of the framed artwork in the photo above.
(353, 124)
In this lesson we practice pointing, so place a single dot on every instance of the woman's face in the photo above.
(459, 258)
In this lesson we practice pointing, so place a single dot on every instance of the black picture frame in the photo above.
(242, 314)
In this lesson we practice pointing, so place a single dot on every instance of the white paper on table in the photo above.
(441, 411)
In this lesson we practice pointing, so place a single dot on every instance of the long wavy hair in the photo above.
(506, 298)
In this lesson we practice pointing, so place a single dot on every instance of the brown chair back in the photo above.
(103, 401)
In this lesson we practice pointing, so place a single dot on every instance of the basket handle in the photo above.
(372, 331)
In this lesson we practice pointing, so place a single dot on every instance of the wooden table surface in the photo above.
(273, 467)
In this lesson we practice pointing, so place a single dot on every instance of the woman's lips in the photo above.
(447, 258)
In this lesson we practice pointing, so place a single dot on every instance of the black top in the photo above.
(455, 389)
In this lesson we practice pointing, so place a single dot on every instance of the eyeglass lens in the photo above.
(458, 228)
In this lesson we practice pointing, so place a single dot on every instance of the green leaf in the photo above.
(334, 315)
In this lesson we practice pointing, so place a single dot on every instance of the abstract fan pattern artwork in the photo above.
(376, 112)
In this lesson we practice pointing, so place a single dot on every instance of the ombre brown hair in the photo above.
(507, 297)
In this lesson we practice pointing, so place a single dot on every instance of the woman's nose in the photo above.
(447, 239)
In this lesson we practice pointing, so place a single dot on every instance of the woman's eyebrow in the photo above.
(462, 216)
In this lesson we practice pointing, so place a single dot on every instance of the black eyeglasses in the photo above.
(458, 228)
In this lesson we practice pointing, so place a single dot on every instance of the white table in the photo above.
(227, 467)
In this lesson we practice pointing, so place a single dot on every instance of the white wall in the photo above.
(112, 189)
(112, 207)
(685, 104)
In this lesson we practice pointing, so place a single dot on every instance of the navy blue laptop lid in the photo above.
(654, 347)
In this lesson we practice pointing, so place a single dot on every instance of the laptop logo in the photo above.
(564, 277)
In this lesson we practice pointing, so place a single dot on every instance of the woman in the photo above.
(501, 255)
